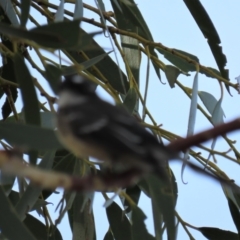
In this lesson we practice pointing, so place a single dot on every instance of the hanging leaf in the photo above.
(235, 214)
(185, 66)
(25, 8)
(59, 16)
(78, 10)
(139, 230)
(171, 73)
(193, 107)
(9, 11)
(9, 218)
(54, 35)
(130, 100)
(205, 24)
(25, 136)
(118, 222)
(218, 234)
(217, 115)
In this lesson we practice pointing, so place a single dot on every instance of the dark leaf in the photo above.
(205, 24)
(134, 193)
(54, 35)
(218, 234)
(81, 218)
(108, 236)
(107, 67)
(53, 76)
(179, 62)
(131, 19)
(171, 73)
(39, 230)
(24, 136)
(163, 198)
(8, 72)
(130, 100)
(91, 62)
(139, 230)
(8, 13)
(10, 224)
(29, 96)
(235, 214)
(25, 8)
(118, 221)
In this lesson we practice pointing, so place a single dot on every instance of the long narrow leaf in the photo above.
(10, 224)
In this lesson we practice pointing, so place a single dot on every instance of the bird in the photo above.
(88, 126)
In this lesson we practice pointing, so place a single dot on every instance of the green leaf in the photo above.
(53, 76)
(58, 35)
(217, 116)
(139, 230)
(130, 100)
(179, 62)
(81, 219)
(78, 10)
(9, 12)
(47, 120)
(211, 69)
(212, 105)
(193, 106)
(118, 222)
(64, 161)
(218, 234)
(132, 55)
(7, 70)
(91, 62)
(164, 200)
(29, 96)
(9, 218)
(205, 24)
(53, 35)
(108, 67)
(25, 8)
(235, 214)
(171, 73)
(108, 236)
(39, 230)
(134, 193)
(59, 15)
(131, 19)
(25, 136)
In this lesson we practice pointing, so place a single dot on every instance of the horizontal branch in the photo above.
(183, 144)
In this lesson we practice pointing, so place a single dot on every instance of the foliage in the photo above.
(57, 45)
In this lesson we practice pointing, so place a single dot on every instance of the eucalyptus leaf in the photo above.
(218, 234)
(78, 10)
(171, 73)
(130, 100)
(59, 16)
(25, 8)
(9, 11)
(24, 136)
(118, 221)
(9, 218)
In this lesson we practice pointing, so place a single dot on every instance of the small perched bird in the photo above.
(89, 126)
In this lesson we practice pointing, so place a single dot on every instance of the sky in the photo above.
(201, 202)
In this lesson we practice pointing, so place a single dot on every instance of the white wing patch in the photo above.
(69, 99)
(129, 139)
(92, 127)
